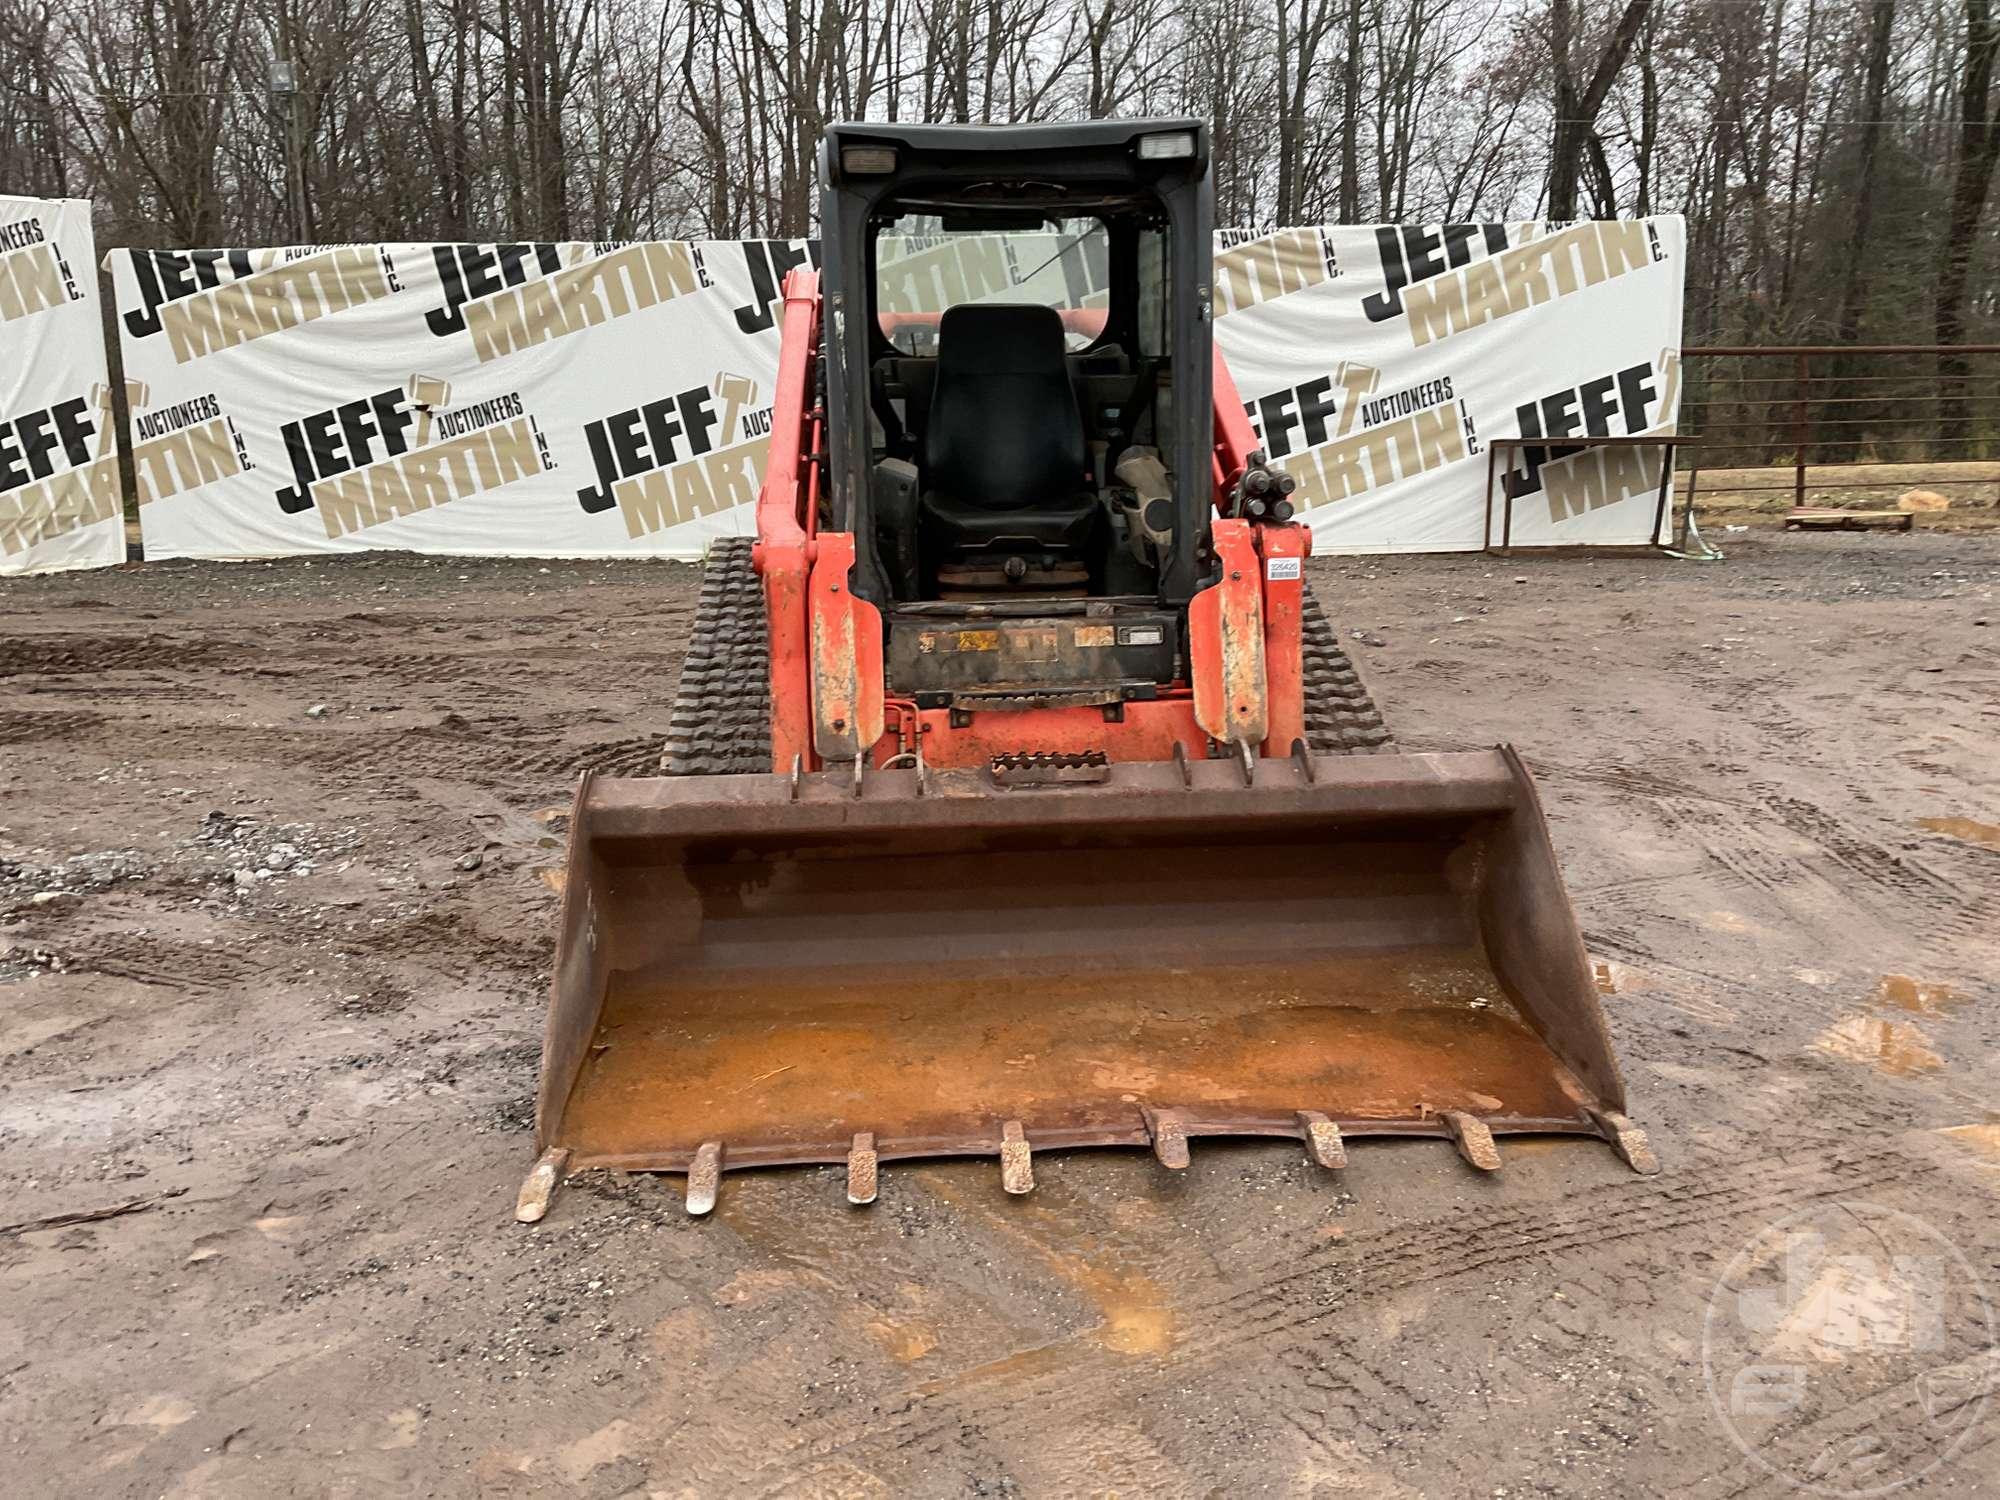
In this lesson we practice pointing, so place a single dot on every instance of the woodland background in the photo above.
(1834, 158)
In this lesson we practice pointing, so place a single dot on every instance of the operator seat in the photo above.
(1003, 451)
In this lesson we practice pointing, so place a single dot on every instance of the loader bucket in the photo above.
(753, 971)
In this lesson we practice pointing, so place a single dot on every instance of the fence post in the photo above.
(1799, 435)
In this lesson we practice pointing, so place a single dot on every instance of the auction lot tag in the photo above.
(1280, 568)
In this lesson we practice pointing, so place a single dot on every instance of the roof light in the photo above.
(1168, 146)
(867, 160)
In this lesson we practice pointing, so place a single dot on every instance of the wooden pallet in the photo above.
(1830, 518)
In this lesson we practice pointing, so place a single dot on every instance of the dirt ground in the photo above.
(275, 927)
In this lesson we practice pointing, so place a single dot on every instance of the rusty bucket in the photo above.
(756, 970)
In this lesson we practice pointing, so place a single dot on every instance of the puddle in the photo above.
(1136, 1315)
(162, 1411)
(1899, 1048)
(1612, 977)
(1895, 1047)
(1917, 997)
(1534, 1145)
(902, 1321)
(1137, 1319)
(1964, 828)
(404, 1425)
(763, 1208)
(906, 1341)
(1985, 1139)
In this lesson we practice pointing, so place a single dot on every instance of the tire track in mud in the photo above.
(1624, 888)
(1895, 875)
(1694, 999)
(1893, 1408)
(149, 689)
(481, 667)
(172, 966)
(1845, 864)
(637, 755)
(428, 938)
(1635, 781)
(61, 654)
(501, 752)
(1506, 1234)
(24, 726)
(1277, 1312)
(1357, 1393)
(1746, 861)
(459, 672)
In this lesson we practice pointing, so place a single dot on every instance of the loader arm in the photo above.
(787, 521)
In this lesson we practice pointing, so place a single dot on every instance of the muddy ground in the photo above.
(274, 853)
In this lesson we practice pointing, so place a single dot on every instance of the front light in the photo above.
(867, 161)
(1169, 146)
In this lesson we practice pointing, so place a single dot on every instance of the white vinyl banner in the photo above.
(525, 400)
(59, 498)
(615, 400)
(1380, 364)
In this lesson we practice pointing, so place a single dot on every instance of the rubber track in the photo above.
(722, 712)
(1341, 718)
(721, 724)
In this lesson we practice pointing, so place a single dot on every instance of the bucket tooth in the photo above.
(1302, 758)
(1324, 1146)
(1474, 1140)
(1168, 1128)
(704, 1178)
(861, 1169)
(1628, 1140)
(1017, 1169)
(539, 1190)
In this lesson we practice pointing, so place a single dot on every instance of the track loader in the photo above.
(1020, 797)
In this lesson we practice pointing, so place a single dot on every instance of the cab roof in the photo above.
(1014, 142)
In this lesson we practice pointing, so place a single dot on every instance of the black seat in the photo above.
(1003, 456)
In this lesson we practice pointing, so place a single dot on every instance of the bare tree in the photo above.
(1834, 158)
(1978, 146)
(1577, 106)
(1874, 101)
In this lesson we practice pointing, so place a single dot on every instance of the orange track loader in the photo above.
(1019, 796)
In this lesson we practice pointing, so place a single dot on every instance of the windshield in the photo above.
(921, 269)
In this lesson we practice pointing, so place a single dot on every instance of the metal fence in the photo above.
(1795, 412)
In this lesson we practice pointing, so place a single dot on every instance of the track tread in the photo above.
(1341, 717)
(721, 720)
